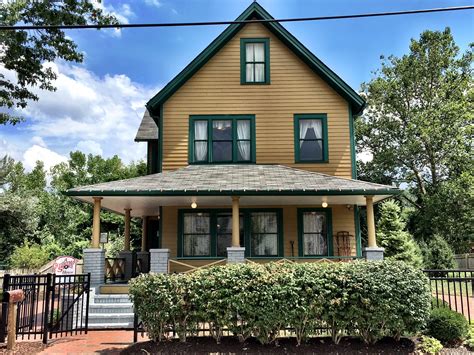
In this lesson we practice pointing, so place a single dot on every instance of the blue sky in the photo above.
(98, 104)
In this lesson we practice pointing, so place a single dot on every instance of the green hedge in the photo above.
(367, 299)
(447, 326)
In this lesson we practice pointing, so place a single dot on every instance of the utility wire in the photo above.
(214, 23)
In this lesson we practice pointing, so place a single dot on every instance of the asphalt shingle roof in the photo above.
(247, 179)
(148, 129)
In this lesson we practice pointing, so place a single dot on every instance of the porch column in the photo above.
(370, 221)
(94, 257)
(96, 223)
(235, 253)
(372, 252)
(126, 243)
(235, 222)
(144, 232)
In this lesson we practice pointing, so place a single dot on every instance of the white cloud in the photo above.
(89, 147)
(122, 13)
(155, 3)
(98, 115)
(47, 156)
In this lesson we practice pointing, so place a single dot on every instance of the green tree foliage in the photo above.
(29, 256)
(392, 235)
(26, 52)
(437, 254)
(419, 127)
(40, 214)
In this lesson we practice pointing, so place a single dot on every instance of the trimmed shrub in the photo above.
(428, 345)
(368, 299)
(447, 326)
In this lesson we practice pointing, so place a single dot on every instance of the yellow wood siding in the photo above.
(294, 88)
(342, 220)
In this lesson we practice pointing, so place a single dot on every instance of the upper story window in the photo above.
(254, 61)
(311, 138)
(222, 139)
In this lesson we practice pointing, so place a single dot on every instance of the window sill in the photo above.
(246, 83)
(311, 161)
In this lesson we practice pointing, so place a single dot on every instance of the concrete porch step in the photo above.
(117, 308)
(111, 299)
(110, 318)
(126, 325)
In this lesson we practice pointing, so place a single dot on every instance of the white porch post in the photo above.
(94, 257)
(372, 252)
(235, 253)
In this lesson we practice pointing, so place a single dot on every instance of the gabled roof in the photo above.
(148, 129)
(255, 11)
(244, 180)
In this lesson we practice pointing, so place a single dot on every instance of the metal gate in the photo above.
(54, 305)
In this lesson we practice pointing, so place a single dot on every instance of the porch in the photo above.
(212, 215)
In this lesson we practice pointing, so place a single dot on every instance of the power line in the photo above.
(214, 23)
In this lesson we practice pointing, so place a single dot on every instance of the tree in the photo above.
(39, 214)
(26, 52)
(418, 127)
(438, 255)
(391, 234)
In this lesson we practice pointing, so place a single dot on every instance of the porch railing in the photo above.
(183, 267)
(114, 269)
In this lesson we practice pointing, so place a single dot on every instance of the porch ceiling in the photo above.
(149, 205)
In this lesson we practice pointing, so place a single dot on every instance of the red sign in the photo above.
(64, 265)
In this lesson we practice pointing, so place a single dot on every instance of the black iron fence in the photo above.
(453, 289)
(54, 305)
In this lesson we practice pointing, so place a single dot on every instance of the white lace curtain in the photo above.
(197, 238)
(264, 233)
(243, 132)
(314, 242)
(200, 134)
(306, 125)
(255, 52)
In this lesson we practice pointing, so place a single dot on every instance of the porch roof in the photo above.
(213, 184)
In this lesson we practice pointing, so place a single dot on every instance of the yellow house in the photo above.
(251, 158)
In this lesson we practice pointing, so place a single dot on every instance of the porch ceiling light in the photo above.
(194, 204)
(324, 203)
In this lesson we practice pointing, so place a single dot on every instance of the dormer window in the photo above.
(254, 61)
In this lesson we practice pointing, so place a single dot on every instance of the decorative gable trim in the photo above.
(255, 11)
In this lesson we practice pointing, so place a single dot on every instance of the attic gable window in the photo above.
(254, 61)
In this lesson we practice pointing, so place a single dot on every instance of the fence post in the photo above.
(46, 308)
(13, 298)
(88, 289)
(3, 323)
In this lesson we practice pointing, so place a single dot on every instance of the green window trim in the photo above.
(243, 62)
(246, 212)
(325, 145)
(328, 213)
(210, 119)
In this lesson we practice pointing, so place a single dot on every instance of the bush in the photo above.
(29, 256)
(428, 345)
(368, 299)
(438, 255)
(447, 326)
(470, 339)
